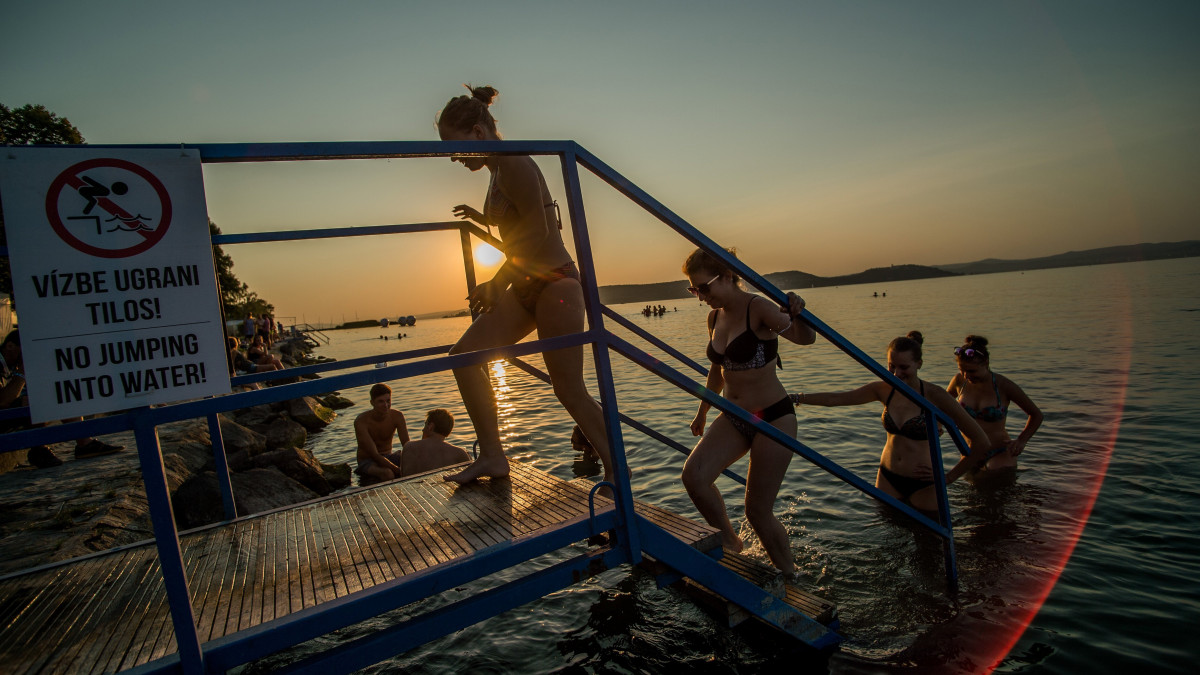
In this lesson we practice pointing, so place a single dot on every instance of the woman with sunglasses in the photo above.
(905, 467)
(743, 347)
(536, 288)
(986, 397)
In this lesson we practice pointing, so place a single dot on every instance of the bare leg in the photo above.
(504, 325)
(721, 446)
(768, 464)
(560, 312)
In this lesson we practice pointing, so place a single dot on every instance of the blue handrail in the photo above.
(632, 531)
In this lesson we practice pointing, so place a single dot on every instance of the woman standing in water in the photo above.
(905, 470)
(743, 346)
(986, 396)
(536, 288)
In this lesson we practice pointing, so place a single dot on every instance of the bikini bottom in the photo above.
(905, 485)
(783, 406)
(530, 288)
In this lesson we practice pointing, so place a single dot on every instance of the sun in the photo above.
(486, 254)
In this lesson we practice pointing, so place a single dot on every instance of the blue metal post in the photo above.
(608, 393)
(221, 462)
(166, 536)
(468, 264)
(943, 501)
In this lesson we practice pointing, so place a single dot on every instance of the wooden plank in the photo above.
(348, 558)
(148, 605)
(371, 556)
(429, 544)
(497, 515)
(208, 589)
(436, 521)
(124, 618)
(407, 550)
(244, 561)
(318, 557)
(52, 635)
(339, 585)
(365, 512)
(110, 597)
(475, 527)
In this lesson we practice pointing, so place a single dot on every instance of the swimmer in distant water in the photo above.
(905, 469)
(537, 287)
(743, 347)
(986, 397)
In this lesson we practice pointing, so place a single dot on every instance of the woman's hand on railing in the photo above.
(467, 212)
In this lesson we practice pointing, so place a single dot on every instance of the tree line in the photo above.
(35, 125)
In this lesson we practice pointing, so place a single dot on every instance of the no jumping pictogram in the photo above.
(108, 208)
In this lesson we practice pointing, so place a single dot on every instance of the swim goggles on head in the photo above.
(704, 287)
(970, 352)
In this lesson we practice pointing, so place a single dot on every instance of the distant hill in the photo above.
(1095, 256)
(671, 290)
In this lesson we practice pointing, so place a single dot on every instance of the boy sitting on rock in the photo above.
(432, 451)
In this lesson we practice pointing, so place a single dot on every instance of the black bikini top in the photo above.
(914, 428)
(746, 351)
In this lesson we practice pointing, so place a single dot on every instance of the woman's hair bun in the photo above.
(915, 336)
(485, 94)
(976, 341)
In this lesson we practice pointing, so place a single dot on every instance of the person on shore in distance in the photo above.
(431, 451)
(986, 397)
(536, 288)
(374, 431)
(13, 395)
(905, 469)
(243, 363)
(743, 347)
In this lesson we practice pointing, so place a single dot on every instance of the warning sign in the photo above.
(108, 208)
(113, 278)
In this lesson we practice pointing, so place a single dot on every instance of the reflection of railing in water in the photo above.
(633, 535)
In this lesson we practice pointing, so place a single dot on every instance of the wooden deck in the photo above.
(109, 612)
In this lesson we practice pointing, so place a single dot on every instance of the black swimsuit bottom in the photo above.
(783, 406)
(905, 485)
(530, 289)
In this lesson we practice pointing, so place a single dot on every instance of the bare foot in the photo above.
(733, 546)
(492, 466)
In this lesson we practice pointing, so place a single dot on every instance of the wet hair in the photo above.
(701, 261)
(13, 337)
(441, 419)
(379, 390)
(910, 343)
(979, 344)
(464, 112)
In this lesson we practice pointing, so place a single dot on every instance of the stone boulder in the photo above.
(338, 475)
(336, 401)
(198, 501)
(283, 433)
(299, 465)
(308, 412)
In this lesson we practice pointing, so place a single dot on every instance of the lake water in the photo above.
(1087, 563)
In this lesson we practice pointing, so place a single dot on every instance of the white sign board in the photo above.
(113, 278)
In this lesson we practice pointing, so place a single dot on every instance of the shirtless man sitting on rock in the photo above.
(374, 431)
(432, 451)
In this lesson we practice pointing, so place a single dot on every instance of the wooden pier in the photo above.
(108, 612)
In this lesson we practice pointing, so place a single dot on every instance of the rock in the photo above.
(310, 413)
(299, 465)
(237, 437)
(336, 402)
(259, 414)
(283, 433)
(198, 502)
(338, 475)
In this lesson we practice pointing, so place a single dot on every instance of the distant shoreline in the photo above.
(672, 290)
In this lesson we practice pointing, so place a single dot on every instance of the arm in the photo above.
(401, 427)
(367, 446)
(466, 212)
(11, 391)
(955, 386)
(1017, 395)
(796, 330)
(977, 440)
(865, 394)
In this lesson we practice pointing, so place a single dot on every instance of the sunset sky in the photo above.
(826, 137)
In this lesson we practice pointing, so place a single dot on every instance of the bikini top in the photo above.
(913, 428)
(746, 351)
(994, 413)
(496, 205)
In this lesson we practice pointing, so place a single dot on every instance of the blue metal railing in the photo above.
(633, 534)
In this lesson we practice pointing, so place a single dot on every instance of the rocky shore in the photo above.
(93, 504)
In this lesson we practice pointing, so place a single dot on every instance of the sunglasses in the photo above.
(704, 288)
(970, 352)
